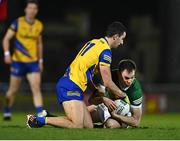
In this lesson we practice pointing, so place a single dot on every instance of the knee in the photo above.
(11, 92)
(81, 125)
(89, 125)
(35, 87)
(77, 126)
(111, 124)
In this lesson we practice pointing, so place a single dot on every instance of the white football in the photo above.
(123, 108)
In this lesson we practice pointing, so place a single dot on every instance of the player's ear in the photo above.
(25, 10)
(115, 36)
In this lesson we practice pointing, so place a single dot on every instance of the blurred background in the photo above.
(153, 42)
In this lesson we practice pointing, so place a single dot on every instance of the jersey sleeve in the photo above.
(135, 94)
(41, 28)
(137, 103)
(105, 57)
(14, 25)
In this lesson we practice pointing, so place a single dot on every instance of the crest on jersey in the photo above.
(107, 58)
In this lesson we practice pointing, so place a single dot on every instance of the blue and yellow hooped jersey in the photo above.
(26, 39)
(94, 53)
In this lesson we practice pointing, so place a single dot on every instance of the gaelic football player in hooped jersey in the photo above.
(71, 87)
(27, 56)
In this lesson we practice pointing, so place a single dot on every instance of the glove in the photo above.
(126, 99)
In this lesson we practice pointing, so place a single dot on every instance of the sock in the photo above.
(41, 120)
(39, 109)
(7, 110)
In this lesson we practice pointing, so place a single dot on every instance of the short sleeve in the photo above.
(14, 25)
(41, 28)
(105, 57)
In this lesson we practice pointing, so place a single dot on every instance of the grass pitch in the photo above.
(161, 126)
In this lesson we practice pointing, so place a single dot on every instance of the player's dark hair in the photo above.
(32, 1)
(127, 64)
(115, 28)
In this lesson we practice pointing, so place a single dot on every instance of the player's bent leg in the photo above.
(78, 114)
(112, 123)
(34, 81)
(10, 95)
(87, 118)
(75, 116)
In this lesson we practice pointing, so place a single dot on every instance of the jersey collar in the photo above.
(107, 42)
(28, 22)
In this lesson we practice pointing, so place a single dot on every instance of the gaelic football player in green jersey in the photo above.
(124, 78)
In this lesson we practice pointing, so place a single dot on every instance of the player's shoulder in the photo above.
(100, 41)
(14, 24)
(136, 89)
(16, 20)
(136, 84)
(135, 94)
(20, 19)
(39, 22)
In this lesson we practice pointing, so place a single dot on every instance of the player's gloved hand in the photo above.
(126, 99)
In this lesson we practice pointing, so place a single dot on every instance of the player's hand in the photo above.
(101, 88)
(113, 114)
(121, 95)
(7, 59)
(92, 108)
(109, 103)
(41, 67)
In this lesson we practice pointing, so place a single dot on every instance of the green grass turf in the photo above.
(161, 126)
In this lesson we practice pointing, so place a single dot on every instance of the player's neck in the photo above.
(109, 41)
(29, 20)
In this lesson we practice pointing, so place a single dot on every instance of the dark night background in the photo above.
(152, 40)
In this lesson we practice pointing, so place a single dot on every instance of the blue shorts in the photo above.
(21, 69)
(68, 90)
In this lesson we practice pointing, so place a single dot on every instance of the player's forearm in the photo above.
(6, 44)
(128, 120)
(115, 90)
(40, 52)
(40, 49)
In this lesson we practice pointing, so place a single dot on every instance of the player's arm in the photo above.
(6, 45)
(92, 108)
(108, 83)
(133, 120)
(40, 52)
(98, 91)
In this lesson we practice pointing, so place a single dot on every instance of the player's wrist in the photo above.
(123, 95)
(41, 61)
(6, 53)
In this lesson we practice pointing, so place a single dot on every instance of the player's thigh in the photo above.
(34, 79)
(112, 123)
(14, 83)
(74, 110)
(87, 118)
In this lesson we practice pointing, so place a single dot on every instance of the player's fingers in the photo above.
(112, 107)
